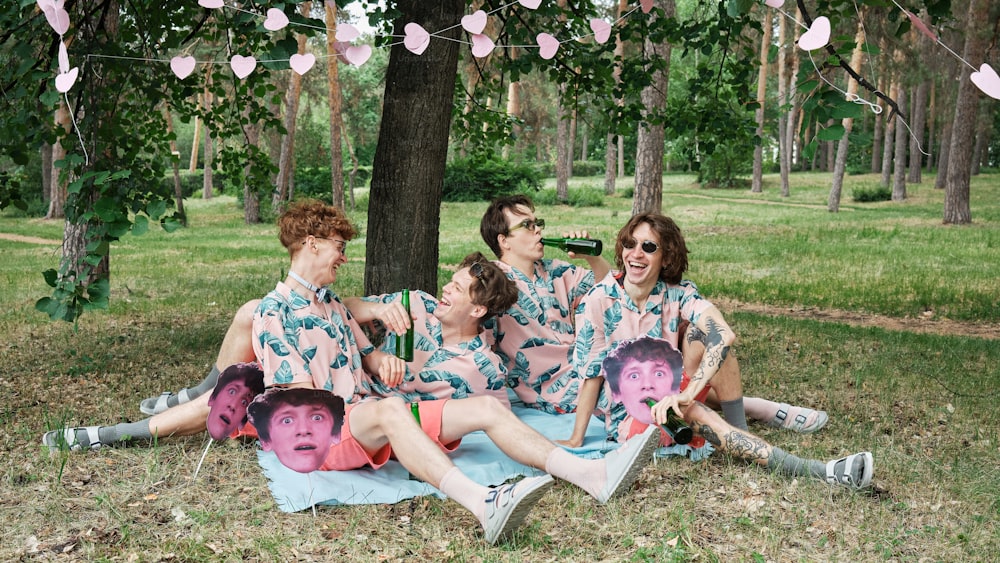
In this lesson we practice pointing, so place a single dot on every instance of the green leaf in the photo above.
(170, 224)
(831, 133)
(51, 277)
(140, 226)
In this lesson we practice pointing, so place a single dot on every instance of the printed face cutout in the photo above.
(298, 425)
(645, 368)
(237, 387)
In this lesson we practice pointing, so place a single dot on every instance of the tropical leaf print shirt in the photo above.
(607, 316)
(438, 371)
(297, 340)
(535, 337)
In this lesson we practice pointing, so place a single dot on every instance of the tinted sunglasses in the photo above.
(476, 269)
(528, 224)
(647, 246)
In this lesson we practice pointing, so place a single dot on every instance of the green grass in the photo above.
(923, 403)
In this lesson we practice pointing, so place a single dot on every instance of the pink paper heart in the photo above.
(242, 66)
(921, 26)
(817, 36)
(417, 39)
(986, 79)
(347, 32)
(57, 17)
(482, 45)
(646, 5)
(358, 55)
(475, 22)
(601, 29)
(301, 63)
(774, 3)
(66, 80)
(182, 66)
(530, 4)
(211, 4)
(63, 57)
(547, 45)
(276, 19)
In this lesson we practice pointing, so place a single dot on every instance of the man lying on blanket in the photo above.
(453, 362)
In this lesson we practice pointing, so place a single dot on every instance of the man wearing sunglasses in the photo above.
(536, 335)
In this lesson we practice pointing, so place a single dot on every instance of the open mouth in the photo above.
(305, 448)
(225, 419)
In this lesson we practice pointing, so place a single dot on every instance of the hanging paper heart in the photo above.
(547, 45)
(482, 45)
(646, 5)
(986, 79)
(302, 63)
(347, 32)
(529, 4)
(242, 66)
(817, 36)
(774, 3)
(182, 66)
(601, 29)
(921, 26)
(63, 57)
(276, 19)
(211, 4)
(66, 80)
(417, 39)
(57, 17)
(358, 55)
(475, 22)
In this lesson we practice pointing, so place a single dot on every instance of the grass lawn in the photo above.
(798, 284)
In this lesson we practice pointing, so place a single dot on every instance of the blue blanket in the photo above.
(477, 457)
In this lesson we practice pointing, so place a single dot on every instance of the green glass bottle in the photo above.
(404, 340)
(675, 426)
(415, 410)
(587, 246)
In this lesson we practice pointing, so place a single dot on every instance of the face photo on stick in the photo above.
(298, 425)
(645, 368)
(237, 387)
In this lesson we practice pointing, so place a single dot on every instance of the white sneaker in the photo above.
(625, 463)
(507, 505)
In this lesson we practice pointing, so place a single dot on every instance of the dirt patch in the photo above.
(926, 324)
(30, 240)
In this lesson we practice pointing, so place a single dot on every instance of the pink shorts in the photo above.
(350, 454)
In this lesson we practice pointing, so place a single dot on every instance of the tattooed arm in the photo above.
(718, 337)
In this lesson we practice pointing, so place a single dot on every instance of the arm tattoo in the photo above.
(745, 446)
(706, 432)
(716, 349)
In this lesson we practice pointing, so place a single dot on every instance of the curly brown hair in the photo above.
(675, 252)
(497, 292)
(312, 217)
(642, 350)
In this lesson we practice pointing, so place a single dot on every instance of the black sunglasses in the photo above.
(529, 224)
(647, 246)
(476, 269)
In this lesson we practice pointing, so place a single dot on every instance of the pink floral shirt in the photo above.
(607, 316)
(443, 371)
(299, 341)
(535, 337)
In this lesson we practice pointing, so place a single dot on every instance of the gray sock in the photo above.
(205, 386)
(785, 463)
(121, 432)
(734, 413)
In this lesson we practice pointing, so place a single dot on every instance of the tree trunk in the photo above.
(757, 182)
(931, 125)
(888, 139)
(783, 99)
(564, 155)
(176, 163)
(354, 165)
(792, 148)
(984, 129)
(941, 179)
(919, 113)
(57, 195)
(610, 155)
(405, 204)
(956, 200)
(45, 152)
(612, 150)
(840, 166)
(649, 143)
(292, 96)
(206, 182)
(195, 142)
(899, 157)
(336, 108)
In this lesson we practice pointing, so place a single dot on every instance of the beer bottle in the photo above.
(587, 246)
(675, 426)
(404, 340)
